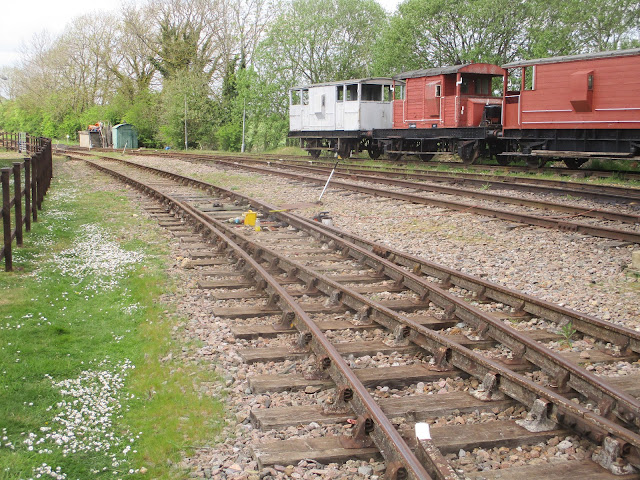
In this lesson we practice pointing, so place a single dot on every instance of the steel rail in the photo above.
(391, 445)
(465, 192)
(626, 338)
(545, 222)
(535, 185)
(565, 373)
(561, 410)
(562, 171)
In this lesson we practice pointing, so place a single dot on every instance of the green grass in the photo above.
(63, 317)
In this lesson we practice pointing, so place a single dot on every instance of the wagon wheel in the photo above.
(536, 162)
(375, 152)
(394, 157)
(574, 163)
(426, 157)
(503, 160)
(469, 152)
(314, 153)
(344, 150)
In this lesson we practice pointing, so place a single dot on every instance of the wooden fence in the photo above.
(31, 180)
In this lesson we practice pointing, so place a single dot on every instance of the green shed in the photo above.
(125, 135)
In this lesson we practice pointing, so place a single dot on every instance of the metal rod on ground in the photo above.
(328, 180)
(244, 115)
(186, 143)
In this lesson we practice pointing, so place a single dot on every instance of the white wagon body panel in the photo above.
(351, 105)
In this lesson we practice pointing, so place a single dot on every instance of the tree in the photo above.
(425, 33)
(314, 41)
(193, 89)
(584, 26)
(131, 60)
(183, 36)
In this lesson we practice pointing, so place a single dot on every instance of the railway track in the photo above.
(308, 288)
(401, 167)
(606, 223)
(599, 193)
(499, 169)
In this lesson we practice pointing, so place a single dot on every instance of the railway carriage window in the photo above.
(515, 80)
(497, 84)
(305, 97)
(372, 93)
(438, 90)
(464, 86)
(295, 97)
(483, 85)
(386, 93)
(352, 93)
(590, 82)
(339, 93)
(398, 92)
(529, 78)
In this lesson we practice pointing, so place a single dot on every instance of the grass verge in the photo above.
(93, 381)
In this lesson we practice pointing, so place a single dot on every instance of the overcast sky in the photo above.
(21, 19)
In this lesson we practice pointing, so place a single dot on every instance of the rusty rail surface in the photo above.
(612, 403)
(535, 220)
(29, 190)
(487, 182)
(618, 194)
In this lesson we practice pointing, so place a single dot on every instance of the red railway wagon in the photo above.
(572, 108)
(447, 97)
(453, 108)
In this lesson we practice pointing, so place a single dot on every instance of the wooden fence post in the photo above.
(6, 218)
(27, 194)
(34, 187)
(17, 188)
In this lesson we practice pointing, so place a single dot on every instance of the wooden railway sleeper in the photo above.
(388, 439)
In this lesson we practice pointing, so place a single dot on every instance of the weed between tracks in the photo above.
(88, 388)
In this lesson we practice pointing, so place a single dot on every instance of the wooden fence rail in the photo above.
(30, 187)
